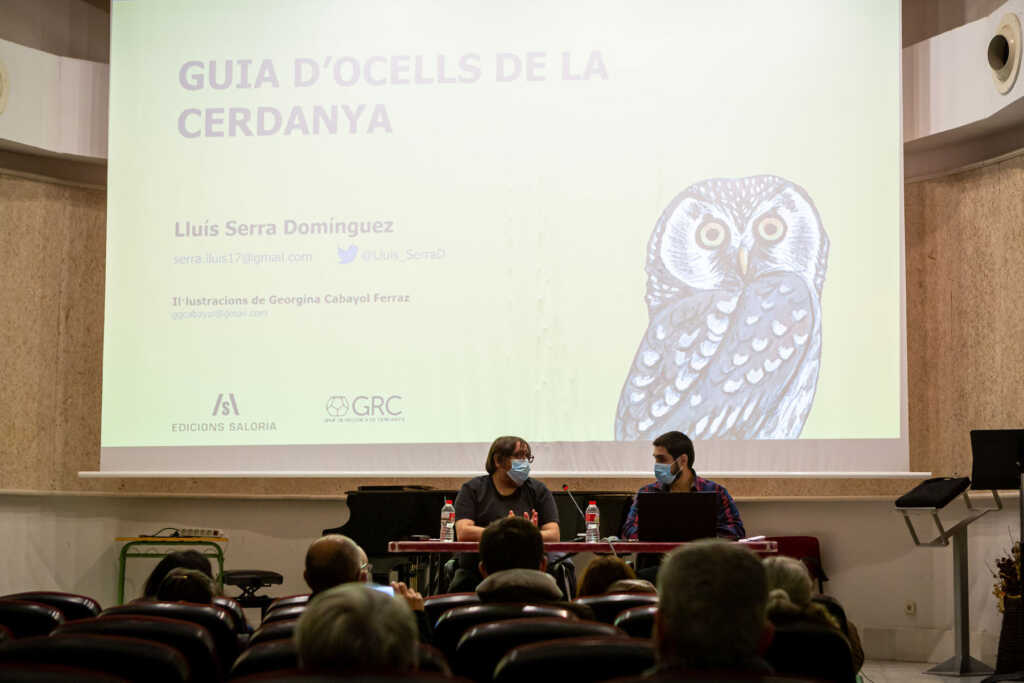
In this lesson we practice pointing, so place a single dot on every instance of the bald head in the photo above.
(333, 560)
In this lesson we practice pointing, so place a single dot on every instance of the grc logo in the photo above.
(376, 406)
(224, 406)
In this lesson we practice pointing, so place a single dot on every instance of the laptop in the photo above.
(677, 516)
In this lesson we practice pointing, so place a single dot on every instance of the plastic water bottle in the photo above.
(593, 516)
(447, 522)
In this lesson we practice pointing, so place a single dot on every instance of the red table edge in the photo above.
(620, 547)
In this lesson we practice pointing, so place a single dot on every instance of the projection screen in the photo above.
(369, 238)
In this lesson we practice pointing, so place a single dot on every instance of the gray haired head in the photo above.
(354, 628)
(711, 607)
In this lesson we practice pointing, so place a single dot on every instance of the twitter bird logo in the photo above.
(347, 255)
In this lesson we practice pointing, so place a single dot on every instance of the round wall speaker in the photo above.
(5, 87)
(1004, 53)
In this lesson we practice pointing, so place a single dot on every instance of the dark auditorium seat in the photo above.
(296, 676)
(187, 637)
(458, 620)
(579, 660)
(274, 655)
(607, 607)
(72, 606)
(284, 613)
(811, 651)
(637, 622)
(235, 610)
(25, 619)
(432, 661)
(289, 600)
(483, 646)
(436, 605)
(275, 630)
(5, 634)
(214, 619)
(131, 658)
(30, 672)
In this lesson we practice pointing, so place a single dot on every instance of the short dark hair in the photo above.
(511, 543)
(182, 559)
(331, 561)
(601, 573)
(677, 444)
(503, 447)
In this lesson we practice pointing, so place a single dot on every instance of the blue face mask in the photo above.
(663, 473)
(520, 471)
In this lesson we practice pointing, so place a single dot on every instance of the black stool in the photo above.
(250, 581)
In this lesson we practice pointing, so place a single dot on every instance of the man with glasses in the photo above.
(506, 490)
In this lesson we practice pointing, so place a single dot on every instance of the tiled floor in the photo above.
(907, 672)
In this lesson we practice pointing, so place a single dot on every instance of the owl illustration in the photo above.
(732, 350)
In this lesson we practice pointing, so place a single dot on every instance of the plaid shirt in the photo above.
(729, 523)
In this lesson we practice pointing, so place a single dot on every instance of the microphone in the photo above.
(565, 487)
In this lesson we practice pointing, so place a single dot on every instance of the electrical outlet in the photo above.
(910, 608)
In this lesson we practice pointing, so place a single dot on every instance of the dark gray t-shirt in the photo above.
(479, 501)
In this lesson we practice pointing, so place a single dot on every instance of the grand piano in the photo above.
(378, 514)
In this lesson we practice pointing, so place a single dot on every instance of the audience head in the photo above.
(333, 560)
(790, 575)
(354, 628)
(185, 559)
(511, 543)
(601, 573)
(711, 612)
(186, 585)
(789, 593)
(502, 450)
(676, 444)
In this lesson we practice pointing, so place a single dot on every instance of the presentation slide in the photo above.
(372, 237)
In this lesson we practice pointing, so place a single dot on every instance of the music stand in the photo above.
(995, 464)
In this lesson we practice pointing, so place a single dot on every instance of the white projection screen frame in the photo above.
(364, 241)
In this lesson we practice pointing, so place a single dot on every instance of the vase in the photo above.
(1010, 656)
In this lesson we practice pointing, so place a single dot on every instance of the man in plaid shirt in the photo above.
(673, 469)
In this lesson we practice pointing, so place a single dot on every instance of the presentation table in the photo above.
(160, 546)
(434, 549)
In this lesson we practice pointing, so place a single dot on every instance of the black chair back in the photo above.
(436, 605)
(235, 610)
(187, 637)
(25, 619)
(214, 619)
(72, 606)
(289, 600)
(274, 655)
(577, 659)
(458, 620)
(482, 646)
(811, 650)
(637, 622)
(33, 672)
(432, 661)
(607, 607)
(284, 613)
(131, 658)
(275, 630)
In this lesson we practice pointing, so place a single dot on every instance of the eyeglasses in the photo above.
(519, 456)
(368, 566)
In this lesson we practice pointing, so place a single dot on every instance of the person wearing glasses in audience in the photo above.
(506, 490)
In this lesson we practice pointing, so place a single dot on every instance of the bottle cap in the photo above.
(447, 502)
(593, 502)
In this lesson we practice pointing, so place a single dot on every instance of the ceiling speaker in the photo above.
(1004, 53)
